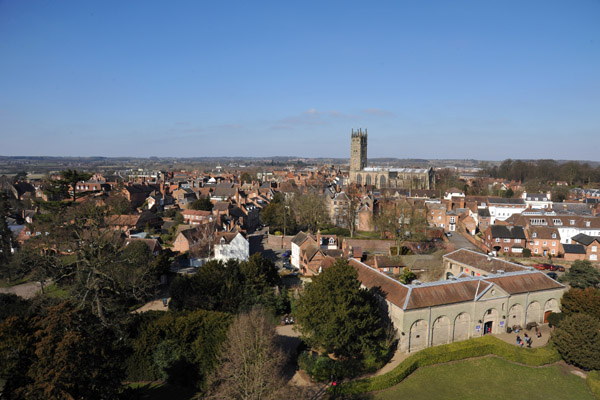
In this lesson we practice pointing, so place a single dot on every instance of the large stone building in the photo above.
(466, 306)
(406, 178)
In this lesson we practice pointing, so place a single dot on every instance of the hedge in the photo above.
(593, 381)
(477, 347)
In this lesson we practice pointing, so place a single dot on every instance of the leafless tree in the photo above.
(252, 363)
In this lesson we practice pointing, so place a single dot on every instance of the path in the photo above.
(460, 242)
(25, 290)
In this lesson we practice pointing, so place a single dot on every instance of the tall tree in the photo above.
(71, 177)
(64, 353)
(339, 316)
(252, 364)
(311, 211)
(585, 301)
(582, 275)
(577, 338)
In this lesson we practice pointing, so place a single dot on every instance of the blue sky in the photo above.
(428, 79)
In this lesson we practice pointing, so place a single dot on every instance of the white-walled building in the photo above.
(231, 245)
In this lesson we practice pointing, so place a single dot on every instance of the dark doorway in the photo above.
(487, 327)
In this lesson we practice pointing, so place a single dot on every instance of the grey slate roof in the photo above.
(573, 249)
(507, 231)
(585, 239)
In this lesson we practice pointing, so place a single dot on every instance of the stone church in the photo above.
(404, 178)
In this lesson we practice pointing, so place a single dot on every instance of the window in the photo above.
(553, 243)
(553, 251)
(452, 220)
(587, 223)
(534, 235)
(517, 240)
(545, 243)
(506, 249)
(594, 248)
(506, 240)
(554, 236)
(537, 242)
(497, 240)
(572, 222)
(535, 250)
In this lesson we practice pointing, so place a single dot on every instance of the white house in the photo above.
(231, 245)
(501, 208)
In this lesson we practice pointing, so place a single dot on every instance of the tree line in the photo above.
(572, 172)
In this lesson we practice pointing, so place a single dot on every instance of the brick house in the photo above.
(544, 241)
(505, 239)
(591, 245)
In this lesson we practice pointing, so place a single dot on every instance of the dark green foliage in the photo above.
(577, 338)
(555, 318)
(407, 276)
(180, 347)
(203, 203)
(12, 305)
(585, 301)
(544, 171)
(337, 315)
(582, 275)
(5, 236)
(452, 352)
(61, 353)
(526, 253)
(229, 287)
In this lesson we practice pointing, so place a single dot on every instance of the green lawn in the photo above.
(489, 378)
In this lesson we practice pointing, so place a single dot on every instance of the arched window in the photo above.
(359, 179)
(382, 181)
(368, 180)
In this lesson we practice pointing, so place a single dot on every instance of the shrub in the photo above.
(555, 318)
(593, 381)
(578, 340)
(526, 253)
(477, 347)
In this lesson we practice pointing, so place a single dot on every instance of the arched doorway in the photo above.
(440, 334)
(418, 336)
(533, 312)
(515, 315)
(462, 325)
(490, 321)
(550, 307)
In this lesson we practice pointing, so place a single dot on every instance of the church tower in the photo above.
(358, 150)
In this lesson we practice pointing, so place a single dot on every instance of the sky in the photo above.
(485, 80)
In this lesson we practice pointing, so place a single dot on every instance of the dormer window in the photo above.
(331, 241)
(534, 235)
(572, 222)
(554, 236)
(587, 223)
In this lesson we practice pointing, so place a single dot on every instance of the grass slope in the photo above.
(488, 378)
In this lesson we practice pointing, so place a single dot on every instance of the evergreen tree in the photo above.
(339, 316)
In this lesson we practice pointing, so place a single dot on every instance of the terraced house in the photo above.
(463, 307)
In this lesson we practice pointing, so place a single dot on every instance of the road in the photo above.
(460, 242)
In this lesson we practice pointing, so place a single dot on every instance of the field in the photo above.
(489, 378)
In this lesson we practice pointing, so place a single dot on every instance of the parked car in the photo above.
(541, 267)
(551, 267)
(560, 268)
(552, 275)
